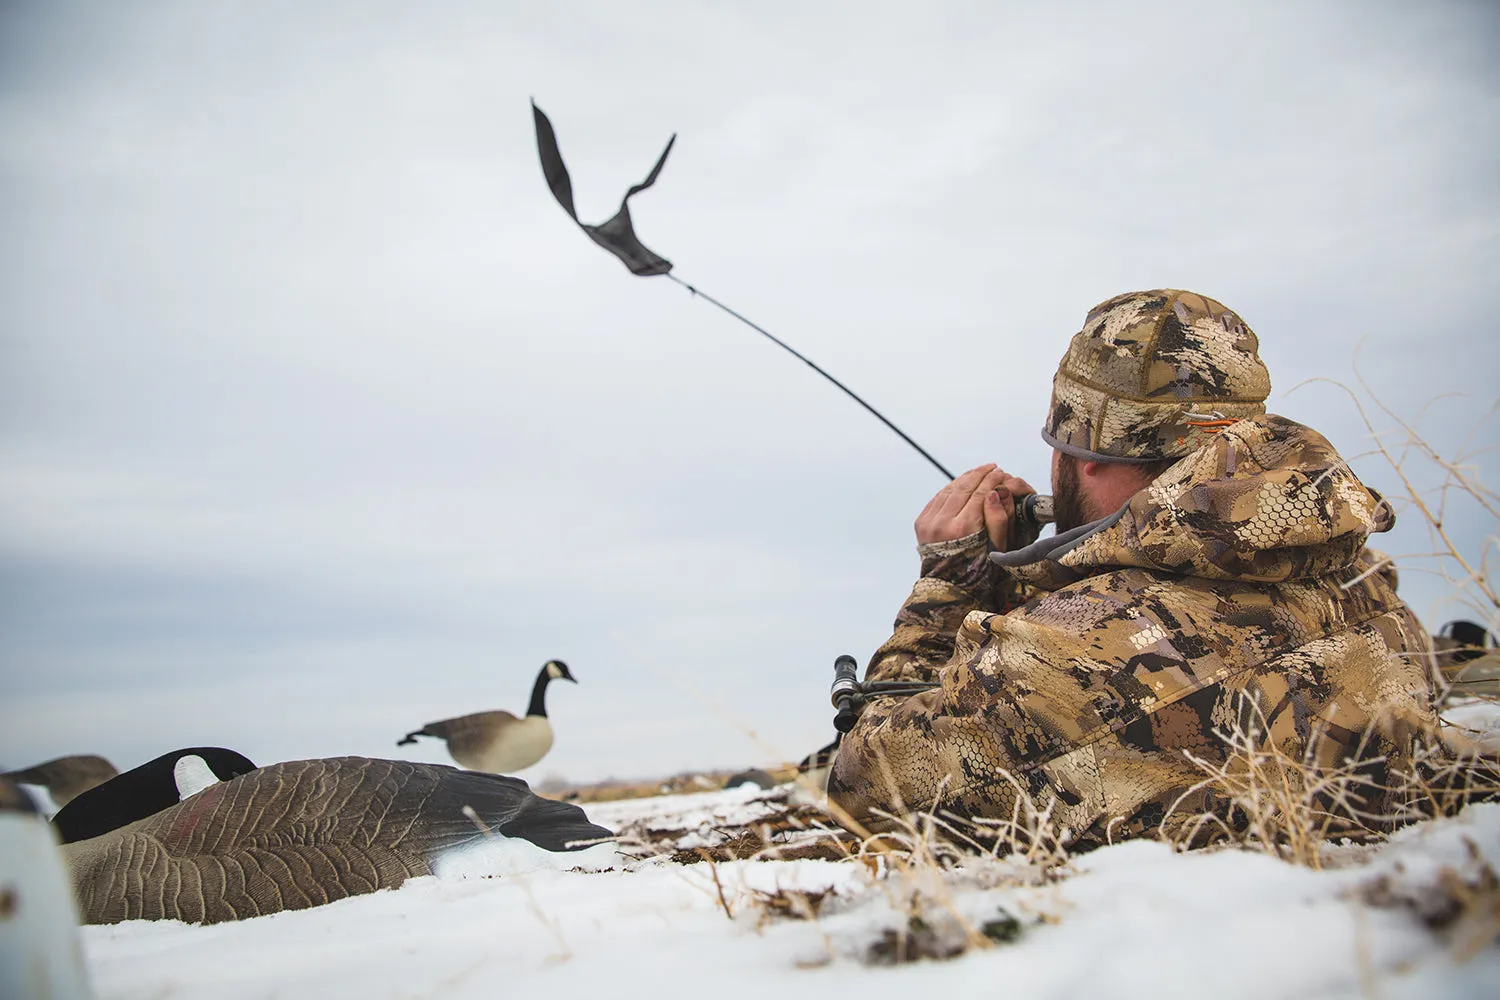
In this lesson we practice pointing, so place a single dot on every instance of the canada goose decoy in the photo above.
(144, 790)
(498, 742)
(40, 951)
(811, 784)
(1469, 657)
(755, 777)
(65, 777)
(302, 833)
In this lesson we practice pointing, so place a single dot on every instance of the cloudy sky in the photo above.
(319, 420)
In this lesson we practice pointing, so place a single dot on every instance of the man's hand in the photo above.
(982, 498)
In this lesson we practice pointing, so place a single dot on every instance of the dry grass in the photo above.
(916, 869)
(913, 872)
(1267, 800)
(1438, 489)
(620, 789)
(1271, 802)
(784, 831)
(926, 860)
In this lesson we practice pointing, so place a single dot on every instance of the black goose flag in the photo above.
(617, 236)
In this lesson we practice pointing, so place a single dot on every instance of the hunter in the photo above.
(1208, 583)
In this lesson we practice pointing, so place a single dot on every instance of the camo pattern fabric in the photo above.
(1153, 375)
(1233, 593)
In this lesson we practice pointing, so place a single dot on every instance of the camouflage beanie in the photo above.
(1153, 375)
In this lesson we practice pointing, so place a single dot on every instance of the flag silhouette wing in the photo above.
(616, 235)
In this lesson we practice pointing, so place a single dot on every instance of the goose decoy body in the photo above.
(65, 777)
(301, 833)
(499, 742)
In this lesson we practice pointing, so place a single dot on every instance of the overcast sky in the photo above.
(319, 419)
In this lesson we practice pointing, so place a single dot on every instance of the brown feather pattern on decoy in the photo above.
(302, 833)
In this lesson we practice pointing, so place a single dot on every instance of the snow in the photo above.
(1479, 723)
(1131, 920)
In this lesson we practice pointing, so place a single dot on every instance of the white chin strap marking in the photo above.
(192, 775)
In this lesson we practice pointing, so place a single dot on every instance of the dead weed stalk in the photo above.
(1437, 487)
(1262, 798)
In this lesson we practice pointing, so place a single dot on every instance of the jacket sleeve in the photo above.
(957, 578)
(1098, 700)
(1034, 703)
(1004, 721)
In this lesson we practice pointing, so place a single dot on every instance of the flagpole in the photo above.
(807, 361)
(617, 236)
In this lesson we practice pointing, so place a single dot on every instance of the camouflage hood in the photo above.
(1267, 500)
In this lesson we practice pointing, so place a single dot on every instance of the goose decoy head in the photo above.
(1463, 641)
(143, 791)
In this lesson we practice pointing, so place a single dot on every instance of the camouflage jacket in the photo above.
(1233, 592)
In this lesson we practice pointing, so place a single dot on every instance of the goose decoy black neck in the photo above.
(552, 670)
(146, 790)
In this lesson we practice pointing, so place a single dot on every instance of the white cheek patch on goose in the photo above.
(192, 775)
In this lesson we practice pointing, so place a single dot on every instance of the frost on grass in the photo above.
(747, 823)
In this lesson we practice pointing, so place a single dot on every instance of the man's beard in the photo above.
(1068, 507)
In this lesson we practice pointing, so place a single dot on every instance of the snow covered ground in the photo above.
(1413, 918)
